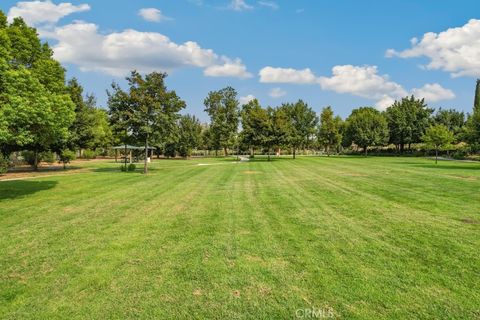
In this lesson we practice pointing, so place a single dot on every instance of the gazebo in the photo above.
(129, 148)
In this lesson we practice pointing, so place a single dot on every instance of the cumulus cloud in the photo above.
(116, 53)
(36, 13)
(433, 92)
(246, 99)
(269, 4)
(277, 93)
(287, 75)
(152, 15)
(230, 68)
(362, 81)
(240, 5)
(456, 50)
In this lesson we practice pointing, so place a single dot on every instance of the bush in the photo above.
(46, 156)
(3, 164)
(131, 167)
(29, 157)
(122, 168)
(89, 154)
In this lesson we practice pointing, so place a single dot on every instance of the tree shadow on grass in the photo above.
(444, 166)
(19, 188)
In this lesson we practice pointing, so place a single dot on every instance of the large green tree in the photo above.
(329, 131)
(190, 135)
(277, 129)
(407, 121)
(366, 127)
(254, 125)
(303, 122)
(148, 111)
(90, 128)
(454, 120)
(35, 110)
(472, 130)
(223, 108)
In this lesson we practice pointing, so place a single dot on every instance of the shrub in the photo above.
(3, 164)
(122, 168)
(89, 154)
(131, 167)
(29, 157)
(46, 156)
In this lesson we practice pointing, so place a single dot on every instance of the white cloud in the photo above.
(246, 99)
(36, 13)
(456, 50)
(152, 15)
(362, 81)
(117, 53)
(240, 5)
(270, 4)
(277, 93)
(286, 75)
(385, 102)
(230, 68)
(433, 93)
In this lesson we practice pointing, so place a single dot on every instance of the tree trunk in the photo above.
(35, 160)
(294, 153)
(225, 151)
(268, 154)
(436, 156)
(402, 147)
(145, 165)
(125, 156)
(64, 165)
(366, 150)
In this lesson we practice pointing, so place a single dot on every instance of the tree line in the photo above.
(41, 112)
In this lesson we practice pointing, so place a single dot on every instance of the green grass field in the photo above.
(365, 238)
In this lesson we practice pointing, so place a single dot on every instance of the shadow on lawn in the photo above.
(20, 188)
(444, 166)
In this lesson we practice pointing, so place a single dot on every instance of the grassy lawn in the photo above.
(365, 238)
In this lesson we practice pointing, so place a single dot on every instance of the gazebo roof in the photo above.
(130, 147)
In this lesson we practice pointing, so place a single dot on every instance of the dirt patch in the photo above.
(470, 221)
(236, 293)
(197, 292)
(250, 172)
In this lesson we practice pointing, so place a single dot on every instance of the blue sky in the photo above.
(325, 52)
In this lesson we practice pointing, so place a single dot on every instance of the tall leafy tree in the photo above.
(438, 137)
(223, 108)
(254, 125)
(35, 110)
(277, 129)
(329, 131)
(454, 120)
(190, 135)
(303, 121)
(90, 128)
(148, 110)
(366, 127)
(472, 133)
(407, 121)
